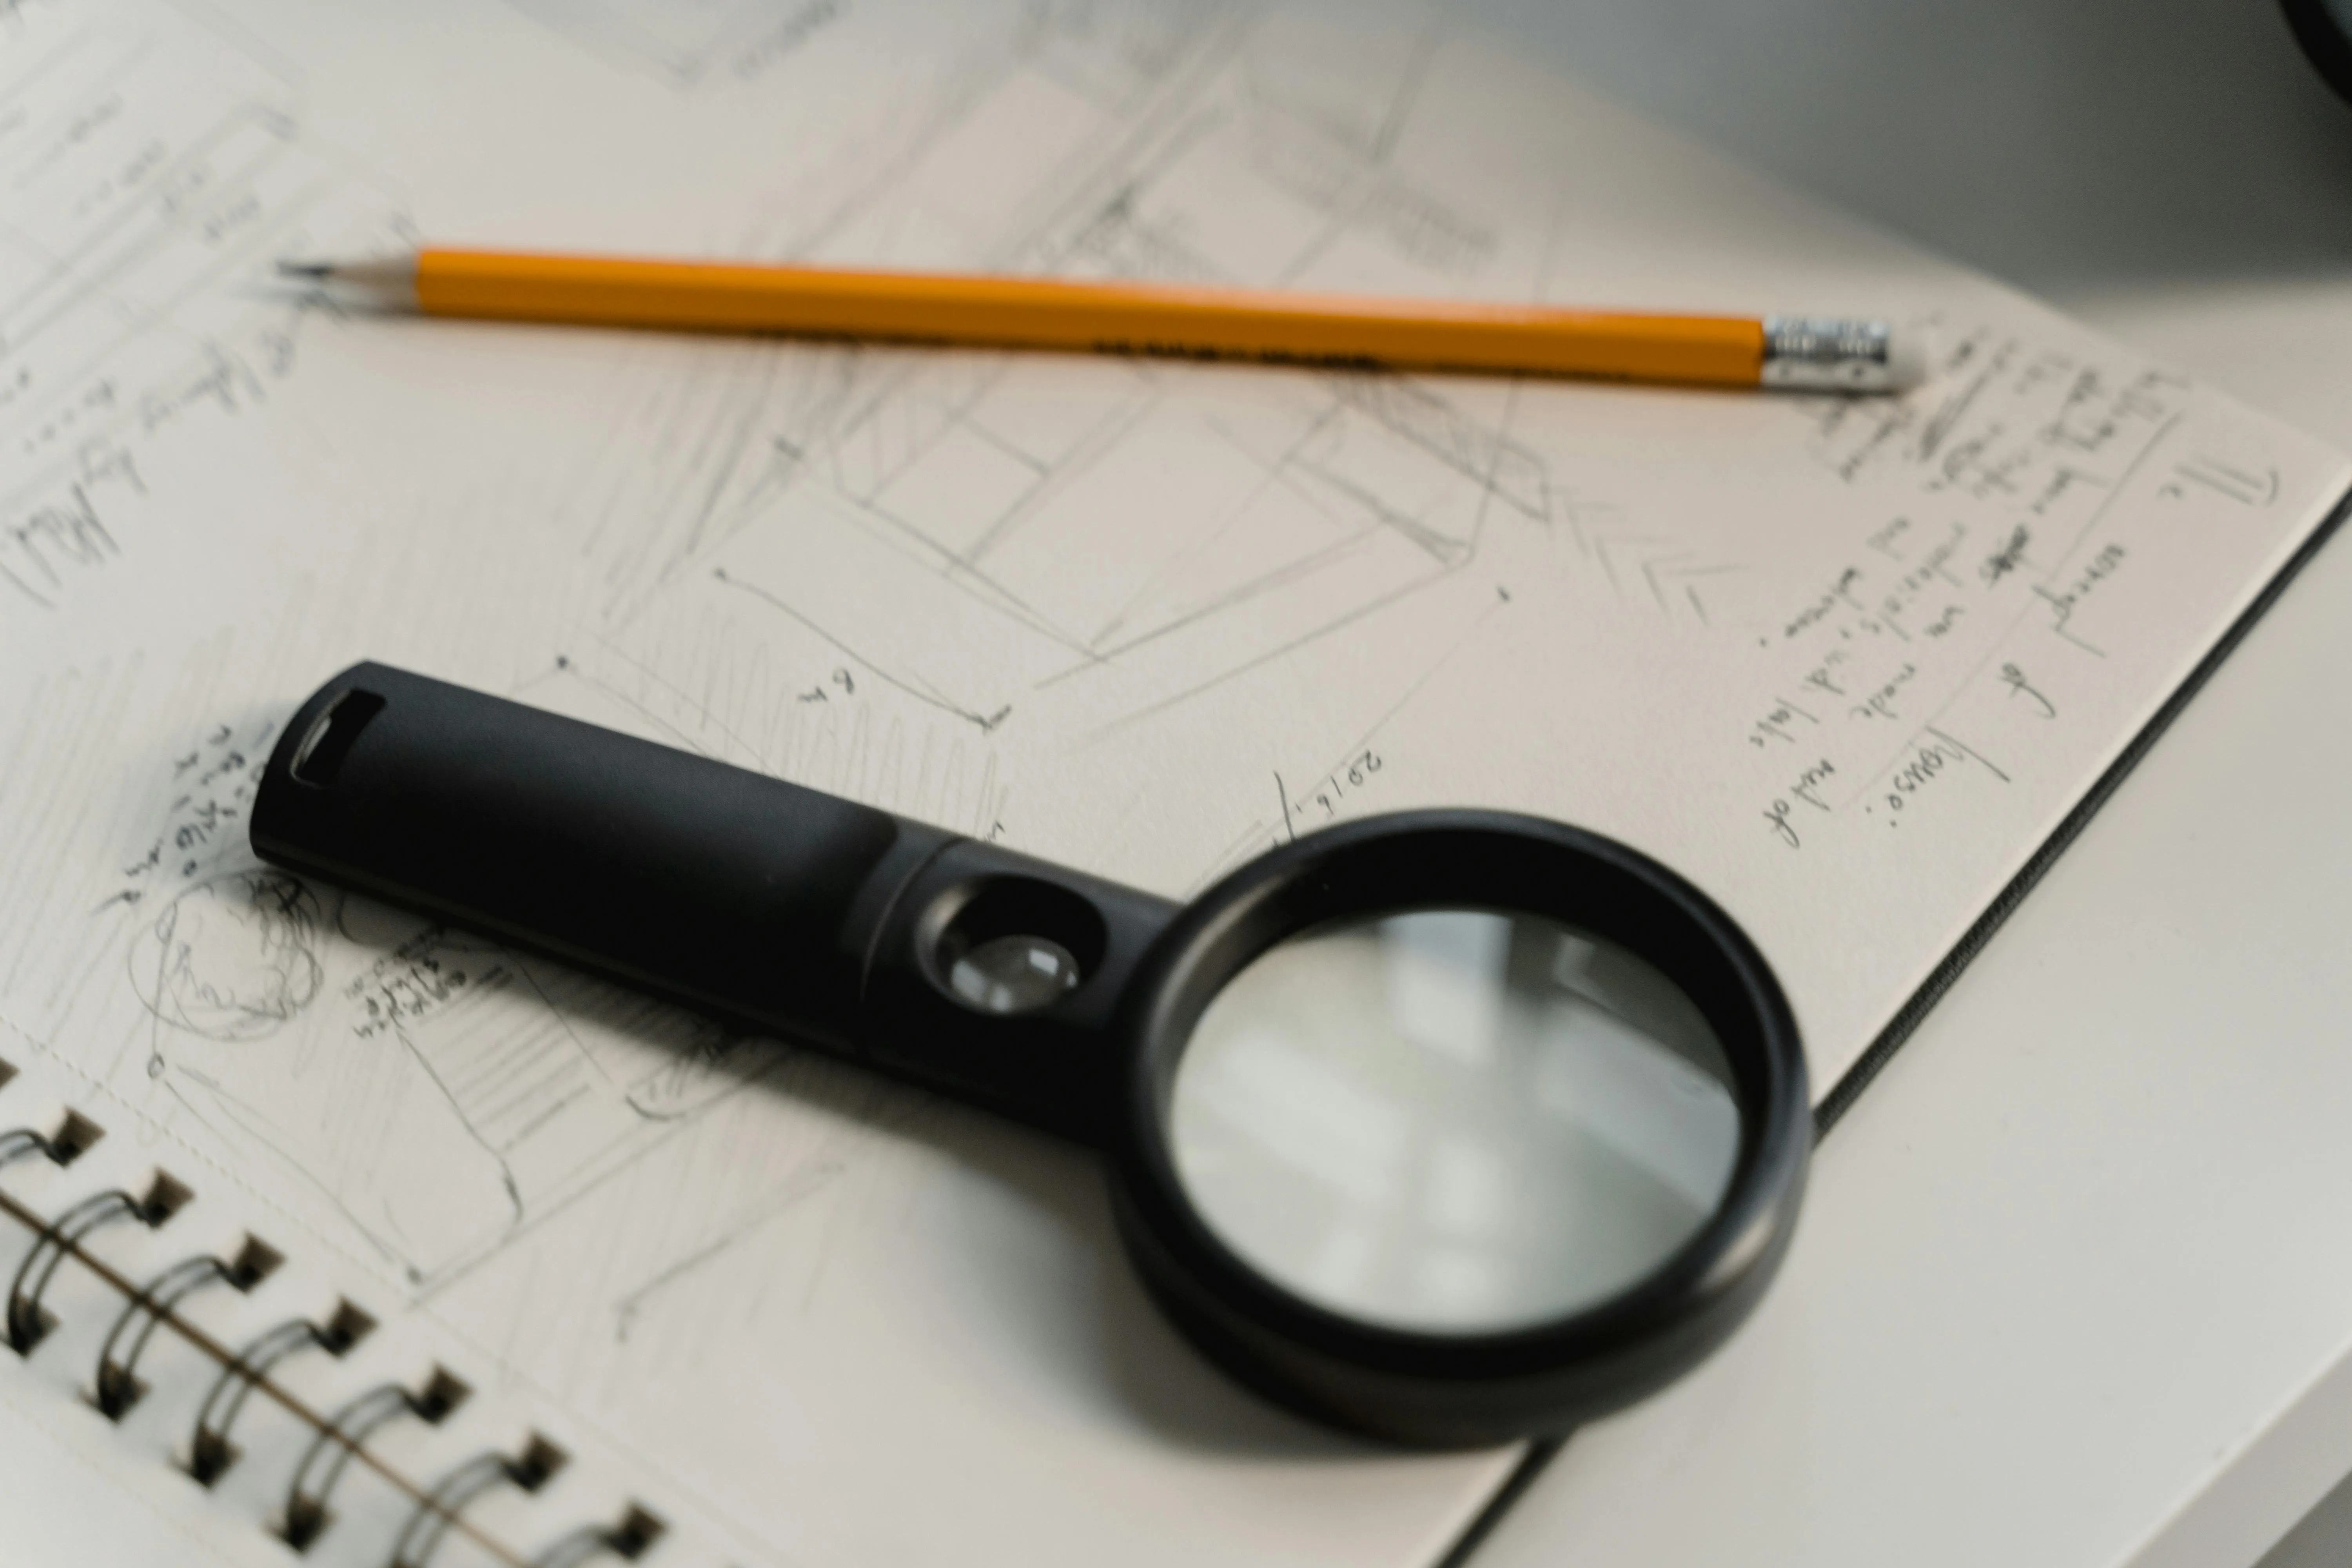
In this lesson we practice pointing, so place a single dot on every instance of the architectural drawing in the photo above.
(962, 526)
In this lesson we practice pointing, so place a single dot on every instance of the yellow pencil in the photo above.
(1804, 351)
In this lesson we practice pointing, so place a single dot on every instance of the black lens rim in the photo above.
(1442, 1389)
(2324, 43)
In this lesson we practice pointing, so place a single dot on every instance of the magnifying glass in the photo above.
(1449, 1127)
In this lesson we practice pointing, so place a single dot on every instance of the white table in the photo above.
(2074, 1286)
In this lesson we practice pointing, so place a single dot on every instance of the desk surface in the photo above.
(2076, 1284)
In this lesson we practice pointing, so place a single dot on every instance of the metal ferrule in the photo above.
(1829, 354)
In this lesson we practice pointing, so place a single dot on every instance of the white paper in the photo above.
(1845, 664)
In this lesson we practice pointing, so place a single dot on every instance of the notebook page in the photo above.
(1845, 664)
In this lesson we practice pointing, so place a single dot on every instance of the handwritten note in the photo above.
(151, 167)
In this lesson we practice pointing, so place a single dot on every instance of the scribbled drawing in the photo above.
(232, 958)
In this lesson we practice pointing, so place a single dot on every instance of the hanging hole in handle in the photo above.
(329, 740)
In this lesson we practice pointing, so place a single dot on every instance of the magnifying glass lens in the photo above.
(1454, 1120)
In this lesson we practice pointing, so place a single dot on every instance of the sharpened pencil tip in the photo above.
(319, 270)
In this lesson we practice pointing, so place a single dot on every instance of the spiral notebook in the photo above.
(155, 1320)
(336, 1234)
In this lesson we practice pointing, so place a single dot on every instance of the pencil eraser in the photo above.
(1906, 358)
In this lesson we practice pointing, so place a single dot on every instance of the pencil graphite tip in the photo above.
(386, 281)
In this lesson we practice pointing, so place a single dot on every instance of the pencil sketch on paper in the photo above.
(151, 168)
(232, 957)
(685, 42)
(1142, 615)
(439, 1090)
(899, 575)
(966, 527)
(436, 1094)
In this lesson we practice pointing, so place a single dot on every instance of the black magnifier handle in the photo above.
(779, 909)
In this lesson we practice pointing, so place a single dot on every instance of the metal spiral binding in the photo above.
(438, 1509)
(338, 1439)
(28, 1321)
(63, 1147)
(115, 1387)
(584, 1544)
(322, 1463)
(209, 1451)
(20, 1142)
(116, 1384)
(628, 1541)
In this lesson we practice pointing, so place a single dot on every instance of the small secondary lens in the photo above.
(1014, 975)
(1454, 1120)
